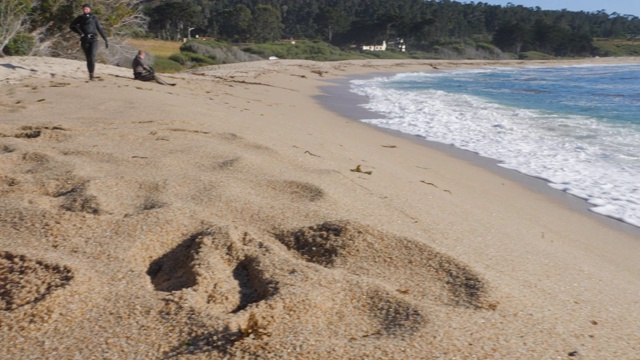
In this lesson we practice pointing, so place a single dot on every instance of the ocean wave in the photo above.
(586, 156)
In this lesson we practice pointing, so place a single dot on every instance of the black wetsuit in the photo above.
(141, 71)
(88, 26)
(144, 72)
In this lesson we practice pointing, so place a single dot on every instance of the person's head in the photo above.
(141, 54)
(86, 8)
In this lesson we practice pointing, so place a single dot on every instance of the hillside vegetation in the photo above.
(241, 30)
(174, 56)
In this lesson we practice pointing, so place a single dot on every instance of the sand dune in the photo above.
(232, 216)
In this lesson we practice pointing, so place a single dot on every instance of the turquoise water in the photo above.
(578, 127)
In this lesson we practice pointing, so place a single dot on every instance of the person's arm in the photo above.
(145, 66)
(75, 26)
(136, 64)
(139, 66)
(101, 32)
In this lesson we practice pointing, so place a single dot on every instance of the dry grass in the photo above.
(618, 41)
(156, 47)
(617, 47)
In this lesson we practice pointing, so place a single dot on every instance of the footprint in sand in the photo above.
(25, 281)
(224, 278)
(40, 173)
(28, 132)
(77, 199)
(374, 284)
(412, 268)
(298, 190)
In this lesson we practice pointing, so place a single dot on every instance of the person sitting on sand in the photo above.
(143, 72)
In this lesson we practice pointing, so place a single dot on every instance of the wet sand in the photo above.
(339, 99)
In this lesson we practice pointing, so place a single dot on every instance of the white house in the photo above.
(382, 47)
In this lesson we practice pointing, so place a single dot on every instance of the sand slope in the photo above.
(232, 217)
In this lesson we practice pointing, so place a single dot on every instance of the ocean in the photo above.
(577, 127)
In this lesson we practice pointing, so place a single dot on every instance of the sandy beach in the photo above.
(234, 216)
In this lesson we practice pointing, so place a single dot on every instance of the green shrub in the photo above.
(389, 54)
(266, 50)
(198, 59)
(180, 58)
(490, 48)
(302, 49)
(164, 65)
(608, 51)
(535, 55)
(630, 49)
(20, 45)
(200, 47)
(457, 48)
(616, 47)
(421, 55)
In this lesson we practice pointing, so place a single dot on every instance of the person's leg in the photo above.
(146, 77)
(159, 80)
(86, 48)
(149, 76)
(90, 51)
(94, 51)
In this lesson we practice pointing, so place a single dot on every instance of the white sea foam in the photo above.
(566, 150)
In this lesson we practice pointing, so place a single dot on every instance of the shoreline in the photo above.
(339, 99)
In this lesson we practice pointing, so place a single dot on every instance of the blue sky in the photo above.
(623, 7)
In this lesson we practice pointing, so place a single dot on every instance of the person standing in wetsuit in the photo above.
(143, 72)
(88, 27)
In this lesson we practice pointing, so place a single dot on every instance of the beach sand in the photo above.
(234, 216)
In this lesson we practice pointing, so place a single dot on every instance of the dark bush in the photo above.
(199, 47)
(164, 65)
(20, 45)
(180, 58)
(198, 59)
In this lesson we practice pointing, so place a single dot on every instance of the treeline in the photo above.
(422, 24)
(40, 26)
